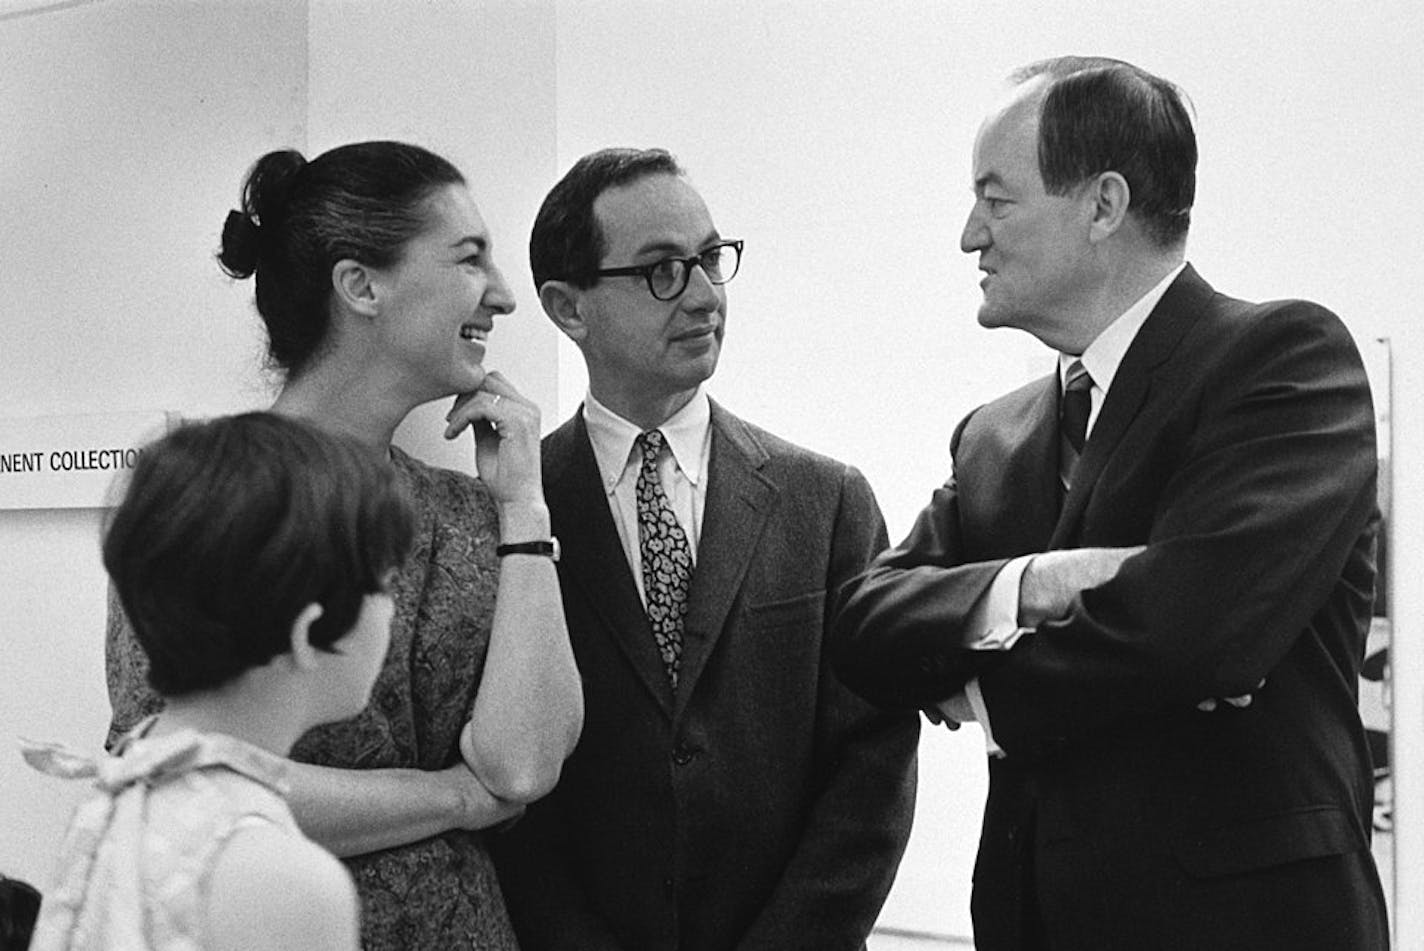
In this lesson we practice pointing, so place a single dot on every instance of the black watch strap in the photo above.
(548, 547)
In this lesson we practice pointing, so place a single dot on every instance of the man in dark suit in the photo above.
(727, 792)
(1160, 628)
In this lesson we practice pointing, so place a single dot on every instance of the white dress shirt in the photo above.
(682, 467)
(994, 623)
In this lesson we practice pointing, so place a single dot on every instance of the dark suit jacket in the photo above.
(762, 806)
(1237, 443)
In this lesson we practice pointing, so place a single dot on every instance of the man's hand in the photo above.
(952, 711)
(1054, 578)
(1240, 702)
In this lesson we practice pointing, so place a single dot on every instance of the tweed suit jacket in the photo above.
(759, 806)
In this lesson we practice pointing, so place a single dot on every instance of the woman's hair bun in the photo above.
(241, 241)
(266, 194)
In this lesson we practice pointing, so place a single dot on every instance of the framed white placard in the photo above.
(67, 462)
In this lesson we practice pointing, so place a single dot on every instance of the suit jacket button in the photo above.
(683, 754)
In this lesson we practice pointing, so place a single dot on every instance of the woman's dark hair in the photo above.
(229, 528)
(1105, 115)
(567, 243)
(298, 218)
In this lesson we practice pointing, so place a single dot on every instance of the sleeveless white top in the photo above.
(136, 861)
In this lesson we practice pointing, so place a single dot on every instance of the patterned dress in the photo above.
(440, 892)
(134, 867)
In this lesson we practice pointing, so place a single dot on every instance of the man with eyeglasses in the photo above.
(727, 792)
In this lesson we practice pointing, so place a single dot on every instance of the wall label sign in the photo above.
(68, 462)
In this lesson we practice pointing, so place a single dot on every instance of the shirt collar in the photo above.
(613, 436)
(1104, 355)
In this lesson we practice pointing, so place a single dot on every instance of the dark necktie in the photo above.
(1073, 419)
(667, 557)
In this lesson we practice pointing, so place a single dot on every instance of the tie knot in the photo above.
(1077, 378)
(651, 443)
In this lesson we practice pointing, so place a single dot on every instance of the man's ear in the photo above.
(560, 300)
(303, 653)
(354, 286)
(1110, 197)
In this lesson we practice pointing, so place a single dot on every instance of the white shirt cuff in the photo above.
(993, 624)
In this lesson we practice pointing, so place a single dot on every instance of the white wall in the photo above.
(833, 137)
(126, 129)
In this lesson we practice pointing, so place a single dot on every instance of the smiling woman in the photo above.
(377, 284)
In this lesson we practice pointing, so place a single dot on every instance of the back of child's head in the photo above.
(230, 527)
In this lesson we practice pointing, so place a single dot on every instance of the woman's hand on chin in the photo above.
(505, 425)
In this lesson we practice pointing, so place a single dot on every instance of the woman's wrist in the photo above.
(524, 521)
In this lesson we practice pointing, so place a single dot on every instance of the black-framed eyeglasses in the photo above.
(668, 278)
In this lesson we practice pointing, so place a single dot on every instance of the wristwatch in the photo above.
(548, 547)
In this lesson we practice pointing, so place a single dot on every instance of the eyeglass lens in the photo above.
(669, 278)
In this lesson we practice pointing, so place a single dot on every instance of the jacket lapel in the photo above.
(593, 558)
(739, 500)
(1029, 486)
(1154, 343)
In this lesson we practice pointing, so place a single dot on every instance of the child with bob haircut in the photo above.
(253, 555)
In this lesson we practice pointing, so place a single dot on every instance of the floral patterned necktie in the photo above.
(667, 557)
